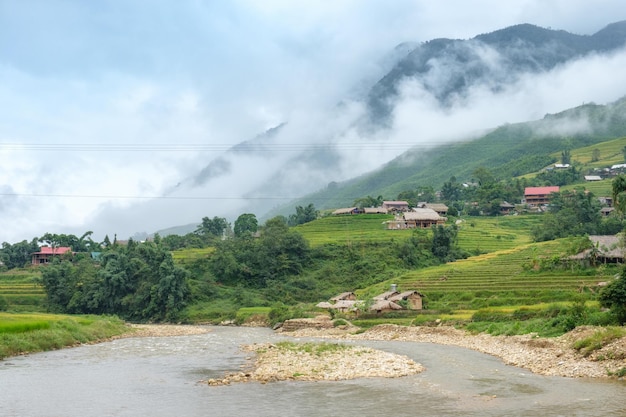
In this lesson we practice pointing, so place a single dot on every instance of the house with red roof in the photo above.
(538, 196)
(46, 253)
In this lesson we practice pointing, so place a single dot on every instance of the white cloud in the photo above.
(155, 73)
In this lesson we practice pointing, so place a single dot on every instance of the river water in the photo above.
(160, 377)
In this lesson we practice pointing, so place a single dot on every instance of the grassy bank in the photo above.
(27, 333)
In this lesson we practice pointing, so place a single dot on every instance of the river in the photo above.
(161, 377)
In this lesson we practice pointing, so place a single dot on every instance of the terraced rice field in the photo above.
(350, 229)
(22, 291)
(506, 277)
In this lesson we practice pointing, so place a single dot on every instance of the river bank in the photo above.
(545, 356)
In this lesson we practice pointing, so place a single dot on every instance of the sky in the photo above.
(109, 108)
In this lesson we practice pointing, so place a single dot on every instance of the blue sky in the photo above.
(154, 72)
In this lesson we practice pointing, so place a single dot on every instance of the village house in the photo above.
(375, 210)
(383, 306)
(348, 210)
(344, 296)
(395, 206)
(440, 208)
(605, 249)
(46, 253)
(412, 298)
(418, 218)
(506, 208)
(539, 196)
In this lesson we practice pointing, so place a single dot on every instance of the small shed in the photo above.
(382, 306)
(347, 210)
(345, 305)
(375, 210)
(344, 296)
(386, 295)
(413, 298)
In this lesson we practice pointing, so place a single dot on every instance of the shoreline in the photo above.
(540, 355)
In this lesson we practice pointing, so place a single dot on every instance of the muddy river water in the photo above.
(161, 377)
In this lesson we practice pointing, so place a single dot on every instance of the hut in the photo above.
(344, 296)
(382, 306)
(413, 299)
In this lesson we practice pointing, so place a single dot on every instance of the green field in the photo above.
(349, 229)
(521, 276)
(22, 290)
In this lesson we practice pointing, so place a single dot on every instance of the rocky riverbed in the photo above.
(546, 356)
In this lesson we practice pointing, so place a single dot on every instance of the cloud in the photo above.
(132, 99)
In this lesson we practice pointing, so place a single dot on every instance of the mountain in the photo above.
(426, 84)
(508, 151)
(449, 68)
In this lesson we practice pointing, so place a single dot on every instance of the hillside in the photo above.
(508, 151)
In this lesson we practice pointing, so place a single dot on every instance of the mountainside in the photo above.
(508, 151)
(448, 68)
(441, 90)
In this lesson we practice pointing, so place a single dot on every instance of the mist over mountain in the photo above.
(449, 68)
(439, 92)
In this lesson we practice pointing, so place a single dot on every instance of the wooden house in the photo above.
(46, 253)
(413, 299)
(382, 306)
(375, 210)
(396, 206)
(348, 210)
(538, 196)
(344, 296)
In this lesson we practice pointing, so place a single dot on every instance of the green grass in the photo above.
(23, 333)
(311, 348)
(186, 256)
(599, 339)
(350, 230)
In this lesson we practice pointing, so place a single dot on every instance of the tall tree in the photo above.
(619, 193)
(245, 225)
(214, 227)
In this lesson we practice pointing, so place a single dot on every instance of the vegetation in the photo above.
(20, 333)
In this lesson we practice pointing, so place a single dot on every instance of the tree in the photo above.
(444, 243)
(246, 225)
(369, 201)
(211, 228)
(618, 186)
(595, 155)
(19, 254)
(566, 157)
(613, 296)
(572, 213)
(484, 176)
(451, 190)
(303, 215)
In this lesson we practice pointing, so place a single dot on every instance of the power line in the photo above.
(130, 197)
(242, 147)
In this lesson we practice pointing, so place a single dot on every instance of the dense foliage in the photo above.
(136, 282)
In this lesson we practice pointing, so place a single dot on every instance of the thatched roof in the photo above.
(324, 304)
(344, 304)
(343, 296)
(420, 214)
(404, 295)
(385, 305)
(609, 246)
(438, 207)
(375, 210)
(347, 210)
(386, 295)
